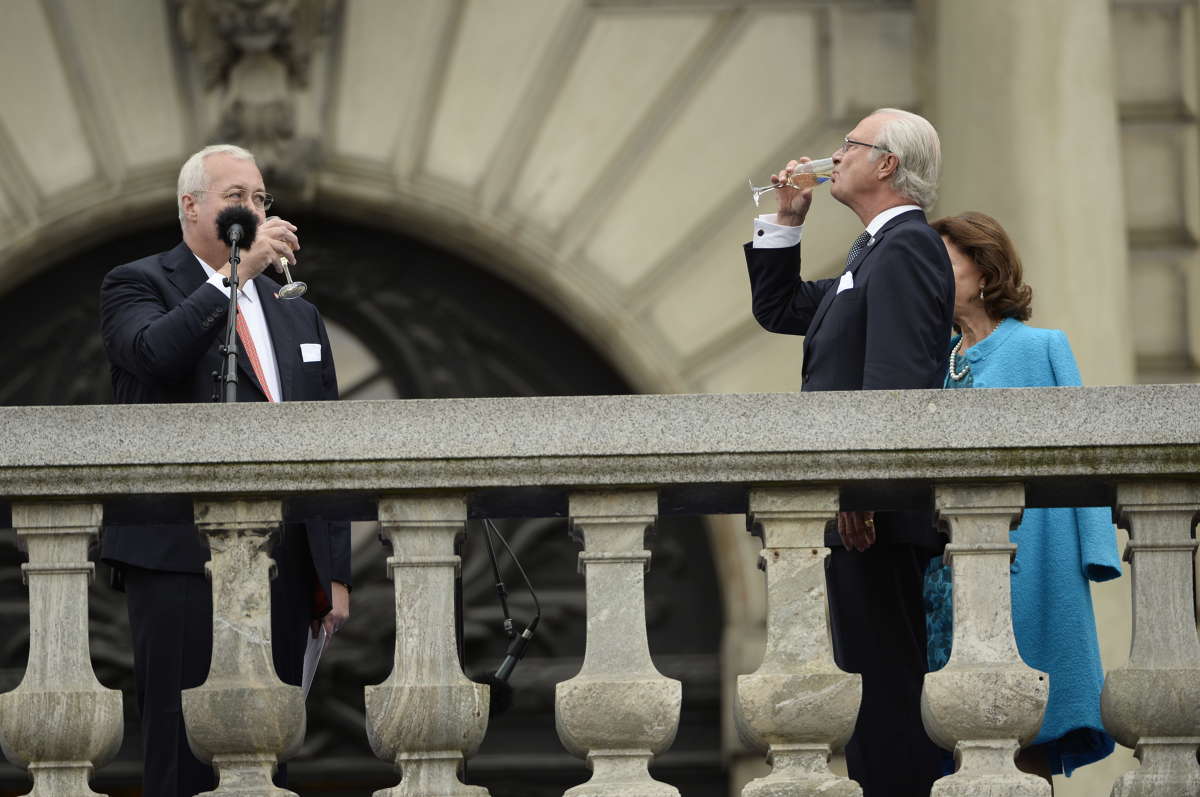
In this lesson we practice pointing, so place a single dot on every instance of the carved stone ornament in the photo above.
(254, 56)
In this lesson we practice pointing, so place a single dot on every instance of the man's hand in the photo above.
(338, 615)
(793, 202)
(857, 530)
(275, 239)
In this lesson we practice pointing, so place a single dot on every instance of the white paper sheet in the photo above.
(312, 655)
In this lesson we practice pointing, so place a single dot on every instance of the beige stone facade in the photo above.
(595, 153)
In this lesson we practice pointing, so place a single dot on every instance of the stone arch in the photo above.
(437, 326)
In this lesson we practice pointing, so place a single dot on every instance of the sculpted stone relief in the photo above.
(254, 56)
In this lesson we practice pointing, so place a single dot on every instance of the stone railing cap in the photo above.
(634, 440)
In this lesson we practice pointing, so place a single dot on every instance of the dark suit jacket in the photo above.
(162, 328)
(890, 331)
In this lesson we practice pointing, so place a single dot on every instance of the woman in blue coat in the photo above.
(1058, 550)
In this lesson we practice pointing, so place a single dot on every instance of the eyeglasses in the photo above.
(848, 142)
(237, 196)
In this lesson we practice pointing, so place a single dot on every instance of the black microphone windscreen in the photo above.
(501, 693)
(241, 216)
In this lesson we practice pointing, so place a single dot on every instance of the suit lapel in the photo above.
(822, 309)
(283, 334)
(830, 295)
(186, 274)
(854, 267)
(877, 239)
(183, 270)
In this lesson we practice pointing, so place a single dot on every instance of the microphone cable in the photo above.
(518, 643)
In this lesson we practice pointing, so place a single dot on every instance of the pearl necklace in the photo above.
(958, 376)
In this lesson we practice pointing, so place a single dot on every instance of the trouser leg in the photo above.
(877, 621)
(170, 616)
(291, 610)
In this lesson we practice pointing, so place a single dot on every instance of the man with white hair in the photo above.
(163, 320)
(884, 323)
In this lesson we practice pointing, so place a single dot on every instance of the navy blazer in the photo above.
(891, 330)
(162, 327)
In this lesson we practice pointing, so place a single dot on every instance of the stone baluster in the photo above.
(986, 702)
(619, 711)
(242, 719)
(798, 706)
(426, 718)
(1152, 704)
(59, 723)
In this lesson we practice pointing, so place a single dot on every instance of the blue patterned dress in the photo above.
(1058, 552)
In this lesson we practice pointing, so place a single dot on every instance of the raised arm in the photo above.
(781, 300)
(145, 338)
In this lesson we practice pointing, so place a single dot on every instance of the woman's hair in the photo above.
(981, 238)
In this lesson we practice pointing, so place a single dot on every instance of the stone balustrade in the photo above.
(60, 722)
(243, 718)
(798, 705)
(614, 464)
(986, 703)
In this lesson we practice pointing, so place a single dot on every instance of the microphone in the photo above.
(501, 694)
(515, 652)
(501, 689)
(237, 226)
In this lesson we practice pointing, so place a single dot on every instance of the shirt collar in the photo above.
(883, 218)
(246, 289)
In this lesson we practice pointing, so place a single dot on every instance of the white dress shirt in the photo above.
(250, 307)
(769, 234)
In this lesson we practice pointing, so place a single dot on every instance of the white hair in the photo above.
(915, 143)
(193, 176)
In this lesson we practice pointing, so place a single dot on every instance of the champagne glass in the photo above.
(293, 289)
(805, 175)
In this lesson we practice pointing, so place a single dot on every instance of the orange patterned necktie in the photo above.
(243, 331)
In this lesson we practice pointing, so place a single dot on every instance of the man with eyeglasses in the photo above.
(884, 323)
(163, 320)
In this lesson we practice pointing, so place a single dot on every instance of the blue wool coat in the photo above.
(1058, 552)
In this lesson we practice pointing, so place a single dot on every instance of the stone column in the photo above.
(242, 718)
(619, 711)
(986, 702)
(59, 723)
(1152, 704)
(1023, 95)
(426, 718)
(798, 706)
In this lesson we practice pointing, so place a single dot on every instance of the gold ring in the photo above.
(870, 523)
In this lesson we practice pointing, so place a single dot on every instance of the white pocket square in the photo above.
(846, 282)
(310, 352)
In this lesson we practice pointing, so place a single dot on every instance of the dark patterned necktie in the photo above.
(860, 243)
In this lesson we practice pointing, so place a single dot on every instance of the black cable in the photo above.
(537, 606)
(501, 692)
(501, 590)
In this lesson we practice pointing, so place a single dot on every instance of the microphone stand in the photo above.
(228, 380)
